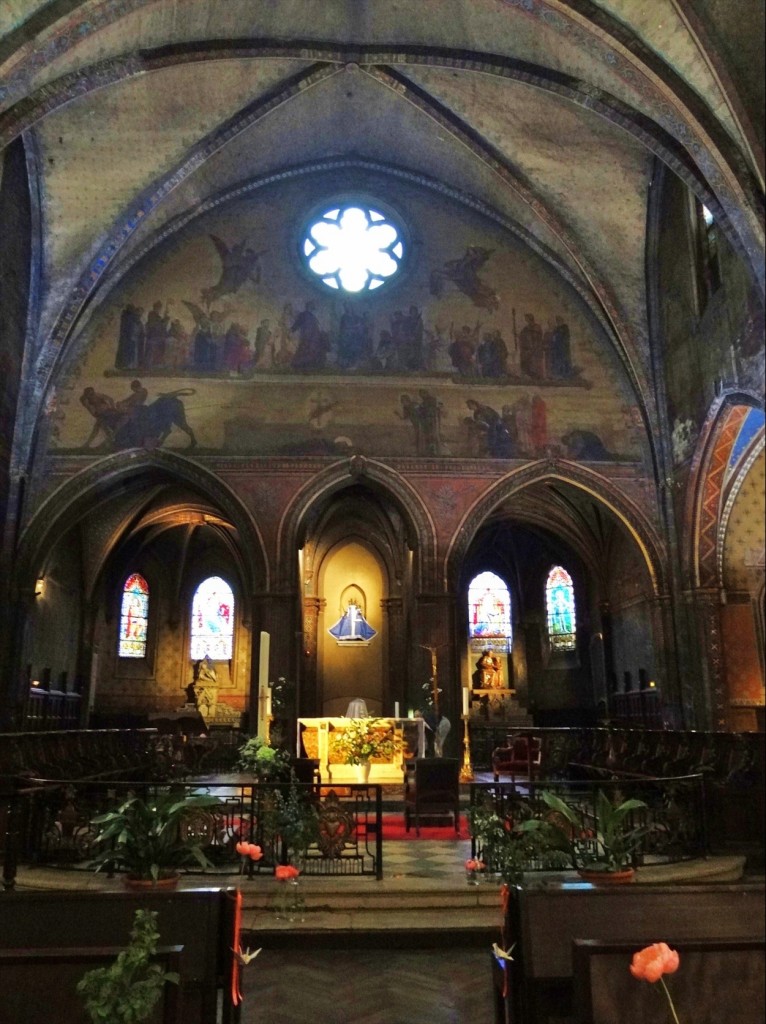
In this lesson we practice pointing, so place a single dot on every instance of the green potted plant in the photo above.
(508, 849)
(127, 991)
(266, 763)
(151, 839)
(364, 739)
(606, 852)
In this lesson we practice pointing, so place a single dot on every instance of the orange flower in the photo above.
(254, 852)
(654, 961)
(285, 872)
(242, 849)
(474, 865)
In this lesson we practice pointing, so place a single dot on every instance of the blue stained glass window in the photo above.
(134, 617)
(489, 607)
(212, 620)
(560, 606)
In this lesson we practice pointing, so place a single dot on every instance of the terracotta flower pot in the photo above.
(164, 883)
(607, 877)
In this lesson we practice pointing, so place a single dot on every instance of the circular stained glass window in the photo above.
(353, 247)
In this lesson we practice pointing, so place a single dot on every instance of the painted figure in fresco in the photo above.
(130, 423)
(464, 274)
(128, 406)
(413, 355)
(239, 264)
(313, 343)
(538, 426)
(462, 351)
(349, 337)
(263, 355)
(560, 352)
(177, 346)
(352, 627)
(284, 350)
(237, 357)
(584, 444)
(531, 349)
(102, 409)
(202, 346)
(156, 337)
(492, 355)
(425, 416)
(130, 344)
(489, 433)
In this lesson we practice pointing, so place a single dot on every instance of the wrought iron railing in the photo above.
(49, 822)
(673, 824)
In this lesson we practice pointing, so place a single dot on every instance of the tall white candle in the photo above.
(396, 709)
(268, 705)
(465, 701)
(263, 681)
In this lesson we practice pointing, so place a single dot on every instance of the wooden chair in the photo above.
(432, 790)
(521, 756)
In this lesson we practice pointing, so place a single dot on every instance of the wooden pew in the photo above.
(717, 980)
(200, 920)
(40, 985)
(543, 919)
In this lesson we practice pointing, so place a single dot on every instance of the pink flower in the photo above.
(651, 963)
(285, 872)
(474, 865)
(654, 961)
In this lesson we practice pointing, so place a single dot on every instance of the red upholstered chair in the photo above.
(432, 790)
(520, 757)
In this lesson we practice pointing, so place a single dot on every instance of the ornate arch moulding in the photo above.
(70, 499)
(598, 487)
(703, 489)
(335, 478)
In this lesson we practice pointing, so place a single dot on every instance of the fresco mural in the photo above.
(218, 341)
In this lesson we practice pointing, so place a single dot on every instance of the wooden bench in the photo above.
(202, 921)
(40, 985)
(543, 920)
(717, 980)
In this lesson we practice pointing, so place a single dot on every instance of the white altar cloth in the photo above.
(392, 771)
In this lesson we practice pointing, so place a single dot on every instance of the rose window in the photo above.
(353, 248)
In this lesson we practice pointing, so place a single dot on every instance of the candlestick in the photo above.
(466, 771)
(263, 682)
(466, 701)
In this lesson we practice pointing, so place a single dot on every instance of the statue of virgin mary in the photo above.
(352, 626)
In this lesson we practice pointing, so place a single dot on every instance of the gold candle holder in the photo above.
(466, 770)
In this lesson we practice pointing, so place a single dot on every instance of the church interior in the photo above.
(397, 357)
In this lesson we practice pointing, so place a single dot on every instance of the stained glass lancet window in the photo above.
(212, 620)
(489, 607)
(134, 617)
(560, 606)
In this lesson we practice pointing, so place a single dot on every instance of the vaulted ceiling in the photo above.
(549, 114)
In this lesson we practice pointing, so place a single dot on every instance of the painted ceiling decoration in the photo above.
(148, 122)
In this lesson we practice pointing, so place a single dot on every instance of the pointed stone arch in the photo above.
(421, 531)
(602, 490)
(64, 506)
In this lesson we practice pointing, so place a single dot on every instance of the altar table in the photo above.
(317, 736)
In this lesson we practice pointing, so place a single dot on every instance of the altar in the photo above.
(317, 737)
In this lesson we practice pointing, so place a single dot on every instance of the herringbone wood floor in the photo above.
(441, 986)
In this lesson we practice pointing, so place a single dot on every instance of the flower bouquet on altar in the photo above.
(365, 739)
